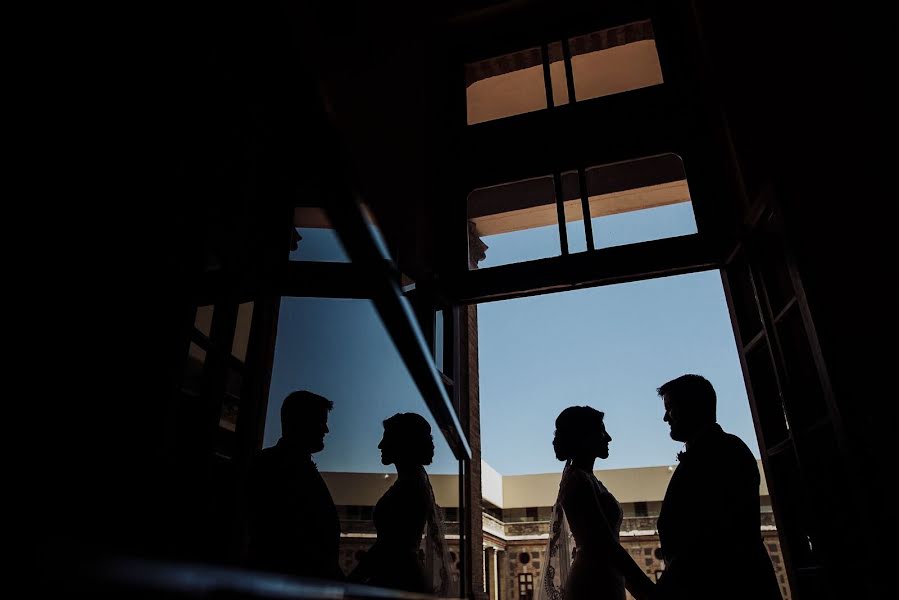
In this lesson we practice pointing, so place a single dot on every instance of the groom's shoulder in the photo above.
(731, 452)
(736, 446)
(723, 447)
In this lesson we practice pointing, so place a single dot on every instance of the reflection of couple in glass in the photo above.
(712, 504)
(405, 512)
(294, 527)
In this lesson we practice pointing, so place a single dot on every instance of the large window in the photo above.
(384, 354)
(313, 238)
(513, 222)
(602, 63)
(602, 206)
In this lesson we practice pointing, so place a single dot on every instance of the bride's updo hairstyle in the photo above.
(576, 430)
(412, 436)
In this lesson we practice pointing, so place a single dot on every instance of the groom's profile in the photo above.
(709, 525)
(294, 527)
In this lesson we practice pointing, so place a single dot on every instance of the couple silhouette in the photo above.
(294, 526)
(709, 525)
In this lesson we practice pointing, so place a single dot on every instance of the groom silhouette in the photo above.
(294, 527)
(709, 525)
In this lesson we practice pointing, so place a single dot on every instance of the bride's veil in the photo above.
(559, 549)
(436, 553)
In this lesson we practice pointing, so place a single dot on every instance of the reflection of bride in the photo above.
(592, 566)
(400, 559)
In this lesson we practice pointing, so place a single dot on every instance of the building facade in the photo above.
(516, 517)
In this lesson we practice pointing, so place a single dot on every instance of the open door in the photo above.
(797, 422)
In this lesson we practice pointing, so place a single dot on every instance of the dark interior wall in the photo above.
(377, 66)
(249, 109)
(802, 91)
(214, 130)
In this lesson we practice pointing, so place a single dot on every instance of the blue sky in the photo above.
(607, 347)
(612, 230)
(339, 348)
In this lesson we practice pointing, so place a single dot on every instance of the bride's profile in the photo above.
(592, 565)
(410, 552)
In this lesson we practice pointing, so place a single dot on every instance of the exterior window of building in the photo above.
(513, 222)
(314, 238)
(321, 341)
(526, 586)
(638, 201)
(614, 60)
(628, 202)
(505, 86)
(603, 63)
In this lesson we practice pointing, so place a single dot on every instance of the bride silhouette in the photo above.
(397, 559)
(593, 564)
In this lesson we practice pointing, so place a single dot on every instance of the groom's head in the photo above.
(304, 420)
(690, 404)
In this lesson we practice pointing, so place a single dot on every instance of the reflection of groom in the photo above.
(294, 527)
(709, 525)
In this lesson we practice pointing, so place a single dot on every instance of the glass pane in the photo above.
(315, 239)
(775, 270)
(640, 200)
(242, 331)
(557, 74)
(768, 405)
(377, 233)
(193, 372)
(614, 60)
(574, 212)
(513, 222)
(339, 350)
(743, 296)
(805, 398)
(438, 340)
(506, 85)
(203, 320)
(231, 403)
(823, 470)
(785, 482)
